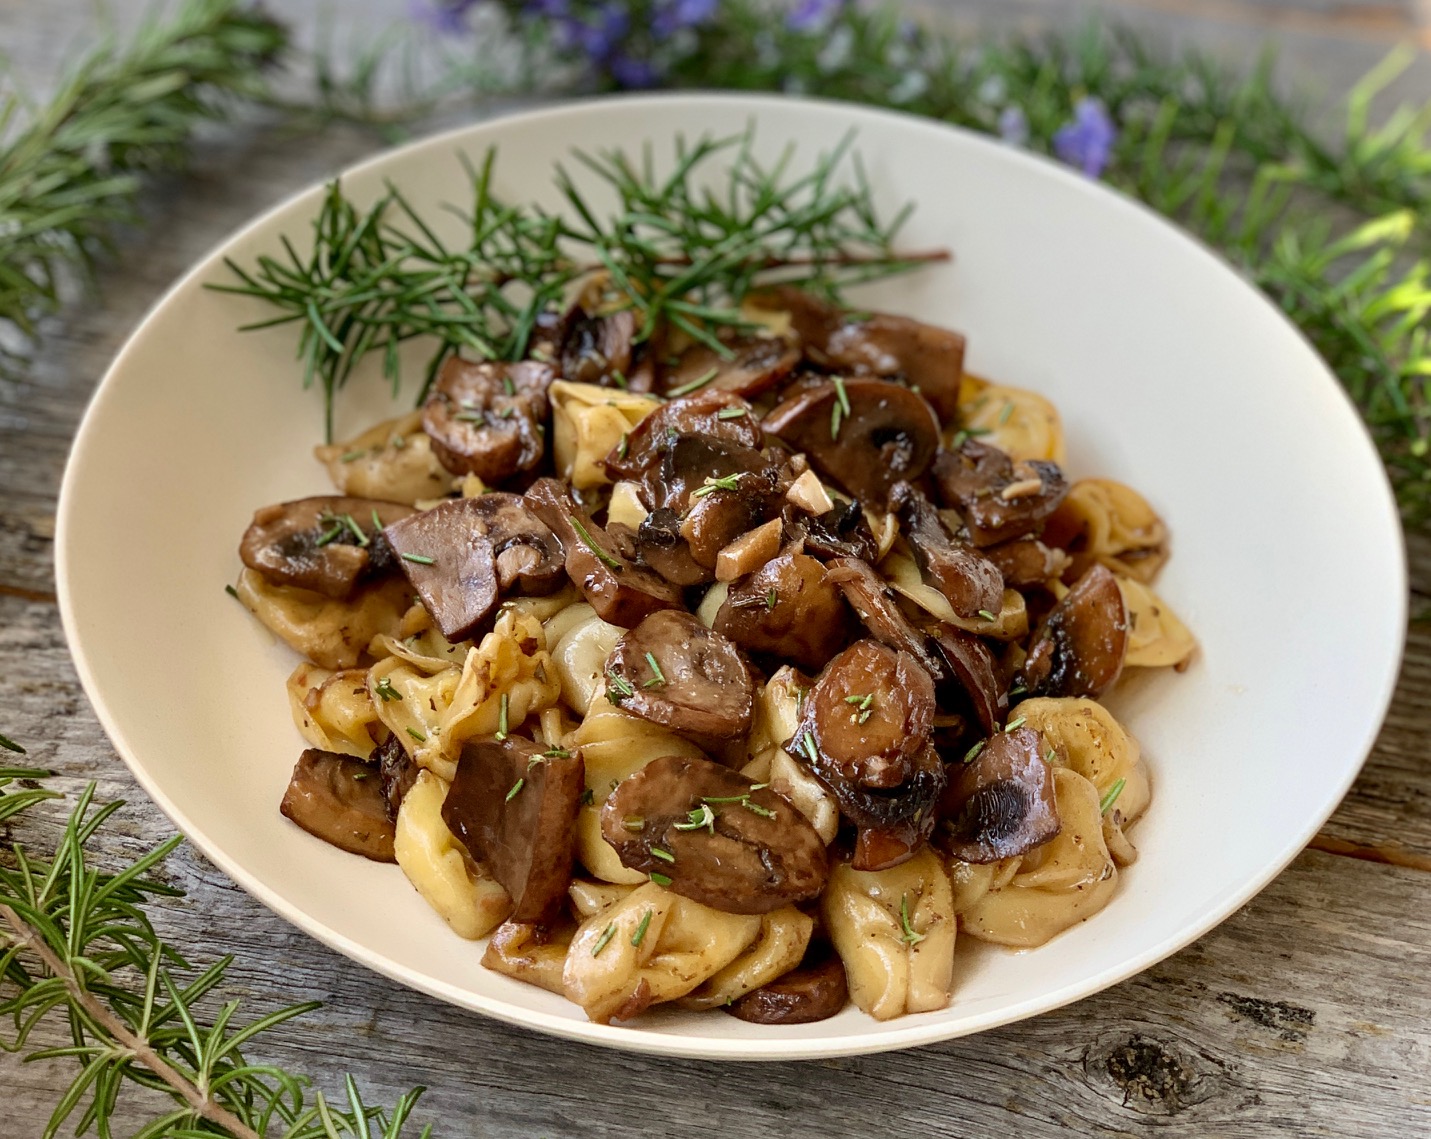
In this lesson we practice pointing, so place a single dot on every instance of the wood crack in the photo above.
(1385, 854)
(39, 596)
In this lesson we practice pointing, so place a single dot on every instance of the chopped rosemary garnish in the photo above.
(633, 823)
(620, 686)
(640, 935)
(588, 798)
(730, 413)
(377, 522)
(1015, 725)
(973, 753)
(332, 535)
(964, 434)
(984, 613)
(385, 690)
(601, 942)
(350, 456)
(660, 879)
(507, 385)
(1106, 803)
(711, 485)
(620, 379)
(700, 817)
(623, 446)
(585, 536)
(770, 599)
(841, 395)
(358, 533)
(359, 776)
(516, 789)
(663, 855)
(1004, 415)
(757, 808)
(810, 749)
(911, 936)
(417, 735)
(232, 592)
(659, 678)
(502, 720)
(556, 753)
(694, 385)
(420, 559)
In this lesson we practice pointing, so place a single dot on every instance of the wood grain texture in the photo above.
(1307, 1013)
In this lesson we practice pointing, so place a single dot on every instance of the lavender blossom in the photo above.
(633, 73)
(601, 34)
(678, 15)
(1087, 141)
(1014, 125)
(812, 15)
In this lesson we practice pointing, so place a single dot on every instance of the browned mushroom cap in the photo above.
(396, 773)
(869, 715)
(1079, 647)
(513, 805)
(861, 435)
(1027, 562)
(998, 498)
(659, 544)
(595, 349)
(841, 532)
(675, 672)
(695, 465)
(340, 799)
(874, 604)
(971, 662)
(1000, 803)
(620, 591)
(722, 509)
(325, 544)
(788, 609)
(815, 990)
(462, 554)
(929, 358)
(714, 836)
(719, 416)
(969, 581)
(755, 364)
(489, 419)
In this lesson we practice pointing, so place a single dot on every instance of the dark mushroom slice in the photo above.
(1078, 649)
(998, 498)
(972, 663)
(596, 349)
(396, 773)
(753, 365)
(873, 602)
(618, 589)
(489, 419)
(722, 509)
(862, 435)
(714, 836)
(340, 799)
(513, 805)
(463, 554)
(672, 670)
(788, 609)
(868, 717)
(929, 358)
(328, 543)
(1027, 563)
(691, 465)
(841, 532)
(814, 990)
(1000, 803)
(659, 545)
(719, 416)
(969, 581)
(906, 812)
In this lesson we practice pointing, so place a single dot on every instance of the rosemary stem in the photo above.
(201, 1103)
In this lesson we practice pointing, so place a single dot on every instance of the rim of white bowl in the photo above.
(687, 1044)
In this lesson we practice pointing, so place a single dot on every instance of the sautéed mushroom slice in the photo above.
(340, 799)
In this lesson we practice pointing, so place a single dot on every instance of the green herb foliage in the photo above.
(77, 944)
(676, 251)
(70, 170)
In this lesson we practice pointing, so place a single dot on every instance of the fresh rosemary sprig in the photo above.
(77, 943)
(70, 173)
(676, 252)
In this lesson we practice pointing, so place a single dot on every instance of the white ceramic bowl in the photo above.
(1171, 373)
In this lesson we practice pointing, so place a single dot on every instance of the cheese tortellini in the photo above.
(1157, 638)
(333, 710)
(333, 634)
(1087, 738)
(1105, 521)
(588, 422)
(1055, 885)
(461, 890)
(581, 641)
(1016, 420)
(894, 930)
(392, 461)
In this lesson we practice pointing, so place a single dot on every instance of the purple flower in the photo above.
(633, 73)
(809, 15)
(1087, 141)
(1014, 125)
(601, 34)
(677, 15)
(446, 16)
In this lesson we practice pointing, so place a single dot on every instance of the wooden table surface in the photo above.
(1306, 1013)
